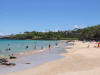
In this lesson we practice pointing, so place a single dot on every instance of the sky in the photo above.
(43, 15)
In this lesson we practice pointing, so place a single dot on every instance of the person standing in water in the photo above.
(26, 47)
(8, 44)
(56, 44)
(49, 46)
(9, 49)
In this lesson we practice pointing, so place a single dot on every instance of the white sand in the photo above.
(79, 60)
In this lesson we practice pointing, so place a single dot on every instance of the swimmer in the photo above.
(26, 47)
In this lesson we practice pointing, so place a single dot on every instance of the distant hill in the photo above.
(90, 33)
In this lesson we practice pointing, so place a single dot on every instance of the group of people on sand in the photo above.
(97, 44)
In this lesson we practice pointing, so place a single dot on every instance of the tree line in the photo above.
(88, 33)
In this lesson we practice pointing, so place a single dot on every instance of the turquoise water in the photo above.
(17, 46)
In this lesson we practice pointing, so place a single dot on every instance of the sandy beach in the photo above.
(79, 60)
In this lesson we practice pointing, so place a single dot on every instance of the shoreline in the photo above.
(79, 60)
(29, 60)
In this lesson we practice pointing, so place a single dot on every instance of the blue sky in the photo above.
(43, 15)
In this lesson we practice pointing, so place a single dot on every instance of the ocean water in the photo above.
(17, 46)
(36, 59)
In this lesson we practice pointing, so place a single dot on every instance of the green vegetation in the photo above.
(89, 33)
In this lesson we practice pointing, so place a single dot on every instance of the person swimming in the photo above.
(8, 44)
(8, 49)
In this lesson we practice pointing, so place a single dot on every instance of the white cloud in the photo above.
(76, 26)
